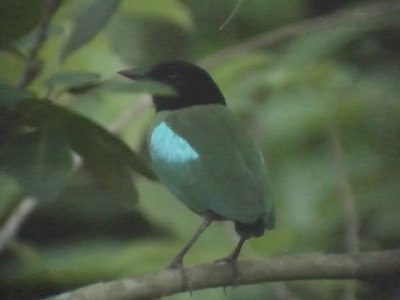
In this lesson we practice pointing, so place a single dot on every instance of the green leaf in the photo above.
(88, 23)
(72, 79)
(84, 136)
(144, 41)
(9, 95)
(83, 82)
(90, 140)
(145, 86)
(173, 11)
(9, 119)
(39, 161)
(18, 18)
(109, 173)
(74, 82)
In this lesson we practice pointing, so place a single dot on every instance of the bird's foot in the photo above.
(232, 261)
(177, 264)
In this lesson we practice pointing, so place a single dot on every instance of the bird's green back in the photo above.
(210, 163)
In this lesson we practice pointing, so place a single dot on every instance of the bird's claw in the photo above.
(178, 265)
(235, 273)
(175, 264)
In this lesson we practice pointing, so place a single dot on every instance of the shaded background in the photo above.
(319, 92)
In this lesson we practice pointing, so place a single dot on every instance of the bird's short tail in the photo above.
(257, 228)
(269, 219)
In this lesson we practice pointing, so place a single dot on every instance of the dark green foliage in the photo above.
(74, 82)
(147, 41)
(105, 156)
(45, 135)
(74, 219)
(88, 23)
(9, 95)
(40, 161)
(18, 18)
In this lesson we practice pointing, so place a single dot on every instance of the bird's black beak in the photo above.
(134, 74)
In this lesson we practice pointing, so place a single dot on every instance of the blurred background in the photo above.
(316, 83)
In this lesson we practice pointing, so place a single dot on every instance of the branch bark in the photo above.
(366, 266)
(365, 13)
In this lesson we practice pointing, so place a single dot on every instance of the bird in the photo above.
(205, 158)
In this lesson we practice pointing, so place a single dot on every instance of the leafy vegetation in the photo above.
(321, 97)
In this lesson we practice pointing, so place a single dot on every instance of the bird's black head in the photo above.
(192, 84)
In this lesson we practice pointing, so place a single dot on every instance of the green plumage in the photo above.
(228, 177)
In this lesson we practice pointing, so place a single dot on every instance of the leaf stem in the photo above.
(33, 64)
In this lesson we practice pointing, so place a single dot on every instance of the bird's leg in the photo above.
(232, 259)
(235, 253)
(177, 262)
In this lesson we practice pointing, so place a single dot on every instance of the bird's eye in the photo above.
(173, 76)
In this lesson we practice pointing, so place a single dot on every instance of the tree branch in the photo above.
(15, 220)
(368, 266)
(365, 13)
(33, 66)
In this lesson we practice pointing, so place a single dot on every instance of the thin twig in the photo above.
(15, 220)
(366, 13)
(352, 240)
(369, 265)
(233, 13)
(352, 222)
(33, 65)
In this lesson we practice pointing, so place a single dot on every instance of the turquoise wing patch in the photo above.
(166, 145)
